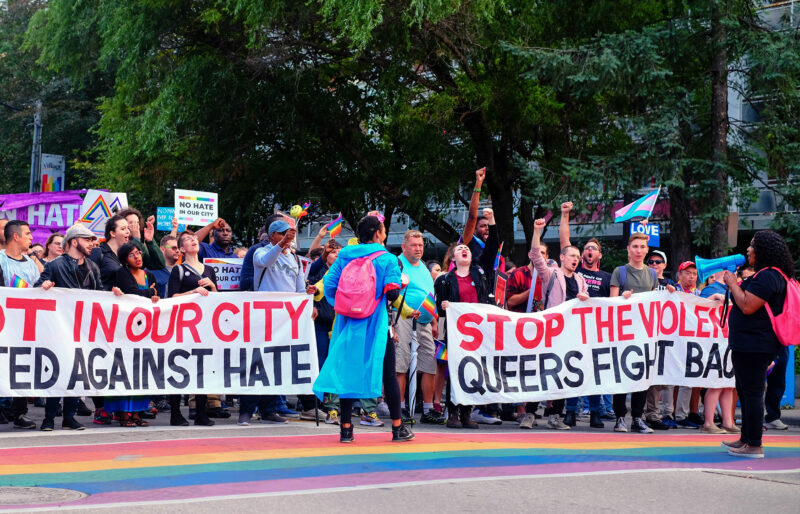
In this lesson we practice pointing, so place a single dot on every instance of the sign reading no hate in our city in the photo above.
(195, 208)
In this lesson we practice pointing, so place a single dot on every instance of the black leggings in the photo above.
(750, 370)
(390, 388)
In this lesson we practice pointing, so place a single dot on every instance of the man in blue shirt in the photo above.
(419, 287)
(221, 248)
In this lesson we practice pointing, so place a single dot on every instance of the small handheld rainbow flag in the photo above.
(335, 226)
(305, 210)
(441, 351)
(429, 305)
(17, 281)
(497, 257)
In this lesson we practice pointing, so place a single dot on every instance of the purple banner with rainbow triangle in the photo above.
(44, 212)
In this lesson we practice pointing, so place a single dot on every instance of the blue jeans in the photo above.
(595, 404)
(267, 404)
(608, 402)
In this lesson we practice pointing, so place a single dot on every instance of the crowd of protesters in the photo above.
(129, 261)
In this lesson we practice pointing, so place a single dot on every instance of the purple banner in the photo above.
(45, 212)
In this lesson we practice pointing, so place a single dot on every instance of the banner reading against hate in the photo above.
(600, 346)
(66, 342)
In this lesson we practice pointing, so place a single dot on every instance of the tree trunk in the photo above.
(719, 133)
(680, 229)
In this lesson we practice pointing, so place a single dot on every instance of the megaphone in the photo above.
(707, 267)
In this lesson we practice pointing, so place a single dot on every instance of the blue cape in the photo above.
(354, 367)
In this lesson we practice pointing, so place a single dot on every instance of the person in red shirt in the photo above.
(465, 283)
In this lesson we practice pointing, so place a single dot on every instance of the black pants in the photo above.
(390, 388)
(776, 385)
(638, 400)
(750, 370)
(51, 408)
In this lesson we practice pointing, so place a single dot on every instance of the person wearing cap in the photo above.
(246, 275)
(71, 270)
(688, 402)
(657, 260)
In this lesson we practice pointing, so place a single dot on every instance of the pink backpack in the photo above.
(787, 324)
(357, 290)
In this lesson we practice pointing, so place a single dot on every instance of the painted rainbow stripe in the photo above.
(190, 469)
(196, 198)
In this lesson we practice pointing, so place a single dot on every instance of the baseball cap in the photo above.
(76, 231)
(687, 264)
(660, 254)
(278, 226)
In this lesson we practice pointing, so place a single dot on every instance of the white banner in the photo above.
(228, 271)
(68, 342)
(600, 346)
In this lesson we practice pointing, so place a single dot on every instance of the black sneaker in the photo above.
(71, 424)
(48, 424)
(401, 434)
(24, 422)
(657, 424)
(83, 410)
(163, 406)
(570, 419)
(218, 412)
(407, 419)
(595, 421)
(432, 417)
(696, 419)
(346, 434)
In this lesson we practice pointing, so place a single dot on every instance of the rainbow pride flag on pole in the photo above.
(429, 305)
(335, 226)
(17, 281)
(643, 207)
(497, 257)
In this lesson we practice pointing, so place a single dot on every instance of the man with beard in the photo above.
(561, 285)
(71, 270)
(598, 283)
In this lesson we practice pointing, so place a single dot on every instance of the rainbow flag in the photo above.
(305, 210)
(497, 257)
(641, 208)
(16, 281)
(441, 351)
(429, 305)
(335, 226)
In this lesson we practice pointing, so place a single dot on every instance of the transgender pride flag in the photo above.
(643, 207)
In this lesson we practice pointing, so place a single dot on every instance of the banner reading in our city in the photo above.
(67, 342)
(598, 346)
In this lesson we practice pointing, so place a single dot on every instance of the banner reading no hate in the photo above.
(195, 208)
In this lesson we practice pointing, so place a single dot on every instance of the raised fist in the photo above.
(566, 207)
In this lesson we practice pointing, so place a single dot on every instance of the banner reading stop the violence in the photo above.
(600, 346)
(66, 342)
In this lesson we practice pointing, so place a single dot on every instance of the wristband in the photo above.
(476, 190)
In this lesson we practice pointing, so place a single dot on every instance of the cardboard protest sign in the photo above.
(599, 346)
(195, 208)
(164, 217)
(98, 207)
(228, 272)
(71, 342)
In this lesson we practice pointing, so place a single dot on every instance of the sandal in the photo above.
(139, 421)
(126, 421)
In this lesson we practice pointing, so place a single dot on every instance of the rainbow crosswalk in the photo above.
(215, 467)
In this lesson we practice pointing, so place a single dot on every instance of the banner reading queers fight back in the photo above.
(67, 342)
(600, 346)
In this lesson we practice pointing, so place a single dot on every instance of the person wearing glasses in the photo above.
(657, 260)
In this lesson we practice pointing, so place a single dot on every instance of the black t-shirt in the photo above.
(753, 333)
(184, 278)
(663, 283)
(598, 282)
(83, 274)
(572, 287)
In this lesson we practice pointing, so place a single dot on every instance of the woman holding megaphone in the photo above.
(751, 338)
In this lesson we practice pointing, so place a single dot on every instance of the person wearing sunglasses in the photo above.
(657, 260)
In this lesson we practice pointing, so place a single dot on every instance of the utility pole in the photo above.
(36, 152)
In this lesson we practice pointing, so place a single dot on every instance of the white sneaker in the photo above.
(527, 421)
(479, 417)
(620, 425)
(777, 425)
(382, 410)
(554, 421)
